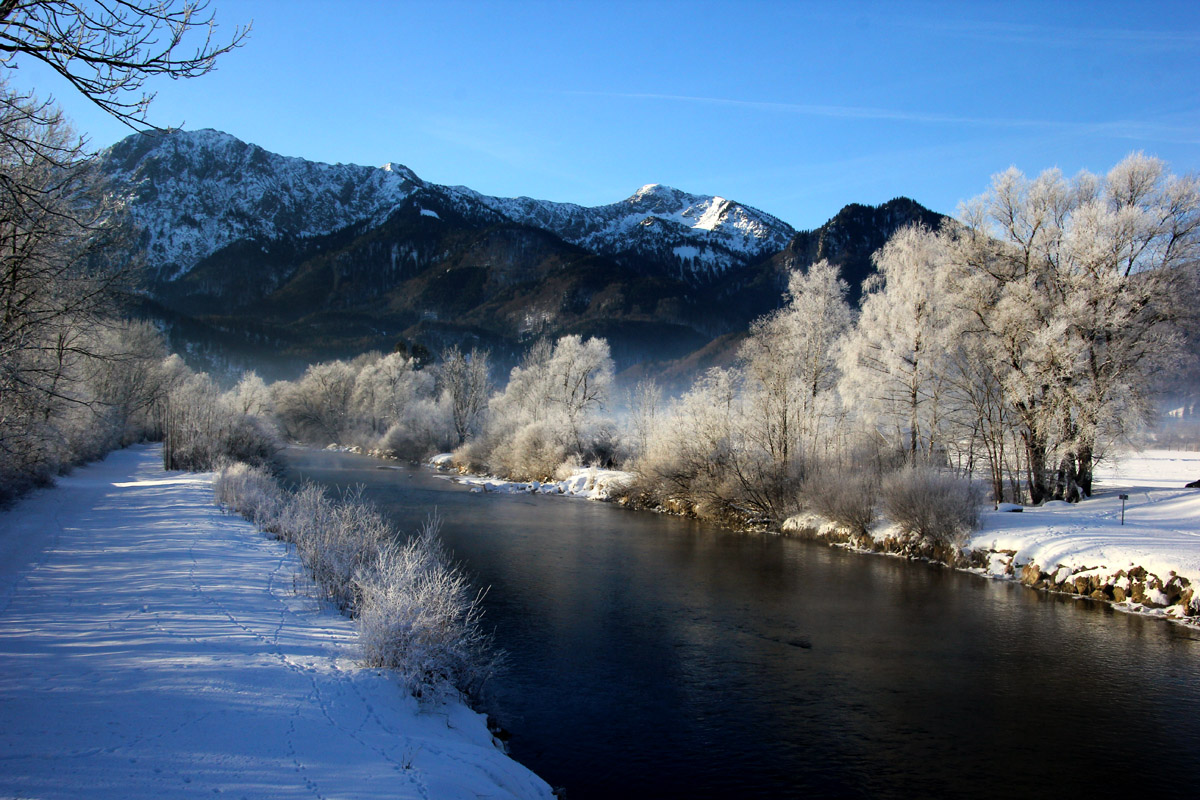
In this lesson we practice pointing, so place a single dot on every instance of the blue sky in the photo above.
(795, 108)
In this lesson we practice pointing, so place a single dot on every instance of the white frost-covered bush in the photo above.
(842, 496)
(252, 492)
(415, 611)
(424, 428)
(936, 506)
(353, 534)
(534, 452)
(304, 511)
(418, 616)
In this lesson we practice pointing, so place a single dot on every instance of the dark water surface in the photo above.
(652, 656)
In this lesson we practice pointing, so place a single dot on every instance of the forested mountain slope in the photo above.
(249, 256)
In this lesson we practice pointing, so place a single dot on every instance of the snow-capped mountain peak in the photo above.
(196, 192)
(694, 236)
(656, 192)
(401, 171)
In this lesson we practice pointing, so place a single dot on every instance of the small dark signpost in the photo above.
(1123, 497)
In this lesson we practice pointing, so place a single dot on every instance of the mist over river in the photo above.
(655, 656)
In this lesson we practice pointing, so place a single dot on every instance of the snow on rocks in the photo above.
(151, 646)
(1149, 564)
(590, 483)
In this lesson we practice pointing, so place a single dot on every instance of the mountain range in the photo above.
(253, 258)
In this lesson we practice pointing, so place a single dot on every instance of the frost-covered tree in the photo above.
(1130, 267)
(549, 410)
(464, 384)
(317, 407)
(250, 395)
(790, 363)
(201, 429)
(63, 396)
(1003, 276)
(1075, 290)
(645, 404)
(979, 420)
(895, 361)
(385, 391)
(526, 395)
(128, 380)
(53, 304)
(579, 378)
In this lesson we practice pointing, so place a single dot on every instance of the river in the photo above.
(652, 656)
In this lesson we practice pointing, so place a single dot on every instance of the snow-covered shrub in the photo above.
(934, 505)
(418, 616)
(423, 429)
(352, 540)
(249, 439)
(334, 539)
(415, 611)
(687, 452)
(550, 409)
(568, 467)
(533, 453)
(471, 456)
(252, 492)
(846, 497)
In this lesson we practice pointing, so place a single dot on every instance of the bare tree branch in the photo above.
(107, 49)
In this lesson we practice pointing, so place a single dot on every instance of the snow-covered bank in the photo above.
(1149, 564)
(152, 647)
(590, 483)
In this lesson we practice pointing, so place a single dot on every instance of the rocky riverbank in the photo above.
(1140, 553)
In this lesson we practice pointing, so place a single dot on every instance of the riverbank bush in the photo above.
(252, 492)
(418, 616)
(414, 608)
(846, 498)
(934, 506)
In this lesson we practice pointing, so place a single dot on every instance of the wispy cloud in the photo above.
(815, 110)
(1119, 129)
(1041, 35)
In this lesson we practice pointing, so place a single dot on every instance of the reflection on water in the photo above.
(654, 656)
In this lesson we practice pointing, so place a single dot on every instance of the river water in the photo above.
(652, 656)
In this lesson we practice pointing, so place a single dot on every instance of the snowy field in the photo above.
(152, 647)
(1162, 521)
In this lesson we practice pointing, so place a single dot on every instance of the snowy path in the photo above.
(152, 647)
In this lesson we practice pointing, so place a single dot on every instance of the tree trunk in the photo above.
(1087, 464)
(1066, 484)
(1035, 478)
